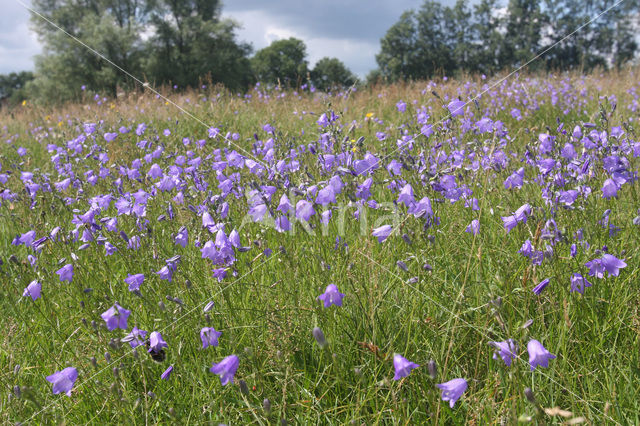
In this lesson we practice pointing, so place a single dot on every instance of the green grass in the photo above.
(267, 312)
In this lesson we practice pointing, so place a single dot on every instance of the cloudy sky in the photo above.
(347, 29)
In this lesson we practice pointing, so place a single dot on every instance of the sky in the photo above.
(349, 30)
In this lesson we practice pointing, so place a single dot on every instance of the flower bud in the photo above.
(528, 393)
(266, 406)
(319, 336)
(432, 367)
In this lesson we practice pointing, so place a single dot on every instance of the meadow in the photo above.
(447, 252)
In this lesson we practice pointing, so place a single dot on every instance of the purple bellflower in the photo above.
(538, 355)
(331, 296)
(63, 380)
(226, 369)
(453, 390)
(402, 366)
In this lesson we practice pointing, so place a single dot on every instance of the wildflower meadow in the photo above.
(453, 251)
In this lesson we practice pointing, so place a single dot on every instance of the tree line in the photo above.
(186, 43)
(488, 37)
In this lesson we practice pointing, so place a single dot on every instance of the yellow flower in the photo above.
(111, 105)
(24, 102)
(369, 114)
(59, 123)
(166, 103)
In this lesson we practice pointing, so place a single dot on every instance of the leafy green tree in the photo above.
(398, 57)
(419, 45)
(191, 42)
(283, 61)
(12, 86)
(524, 23)
(488, 53)
(459, 33)
(109, 27)
(607, 41)
(331, 72)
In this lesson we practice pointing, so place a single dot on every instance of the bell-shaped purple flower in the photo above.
(116, 317)
(541, 286)
(66, 273)
(167, 373)
(182, 237)
(134, 281)
(609, 189)
(326, 196)
(608, 263)
(455, 107)
(538, 355)
(509, 222)
(331, 296)
(209, 337)
(226, 369)
(406, 195)
(578, 283)
(452, 390)
(402, 366)
(382, 232)
(612, 264)
(257, 212)
(304, 210)
(136, 337)
(156, 342)
(523, 213)
(165, 273)
(285, 205)
(33, 290)
(63, 380)
(505, 350)
(474, 227)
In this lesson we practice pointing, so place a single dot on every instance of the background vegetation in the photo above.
(186, 43)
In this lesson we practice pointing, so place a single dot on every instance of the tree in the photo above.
(522, 41)
(607, 41)
(177, 41)
(331, 72)
(398, 57)
(488, 42)
(12, 86)
(421, 44)
(191, 42)
(283, 61)
(111, 28)
(460, 35)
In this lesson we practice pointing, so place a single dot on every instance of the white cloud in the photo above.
(17, 49)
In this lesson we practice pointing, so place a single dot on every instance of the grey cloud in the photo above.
(18, 44)
(352, 19)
